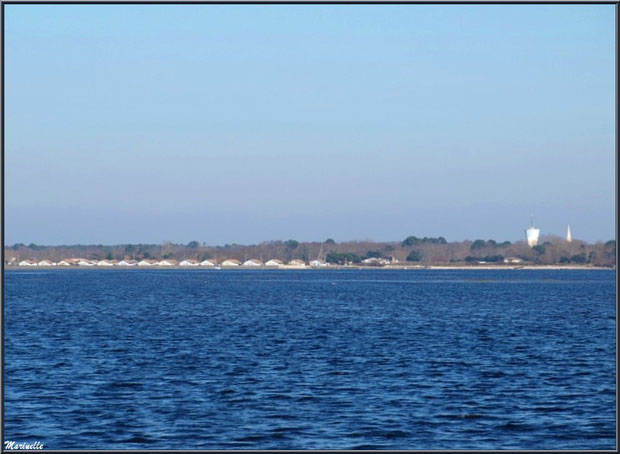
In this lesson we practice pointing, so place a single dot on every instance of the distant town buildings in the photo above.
(274, 263)
(553, 250)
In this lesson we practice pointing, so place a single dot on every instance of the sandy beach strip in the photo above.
(331, 267)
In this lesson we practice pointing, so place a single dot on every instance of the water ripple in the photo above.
(159, 359)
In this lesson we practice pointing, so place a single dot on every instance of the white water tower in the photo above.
(531, 234)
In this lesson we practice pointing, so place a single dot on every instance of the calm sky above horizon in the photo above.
(237, 123)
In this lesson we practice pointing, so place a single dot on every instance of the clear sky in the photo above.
(245, 123)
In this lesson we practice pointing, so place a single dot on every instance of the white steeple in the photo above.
(569, 237)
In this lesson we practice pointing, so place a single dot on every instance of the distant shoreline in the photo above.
(411, 252)
(331, 267)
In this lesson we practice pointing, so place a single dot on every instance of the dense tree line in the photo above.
(551, 250)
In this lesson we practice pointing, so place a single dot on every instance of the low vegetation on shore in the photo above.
(423, 251)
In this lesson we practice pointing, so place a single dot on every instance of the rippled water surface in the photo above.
(209, 359)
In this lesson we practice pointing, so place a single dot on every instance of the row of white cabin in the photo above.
(170, 262)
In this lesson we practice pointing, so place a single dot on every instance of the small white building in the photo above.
(207, 263)
(146, 262)
(85, 262)
(75, 261)
(105, 263)
(64, 263)
(189, 262)
(513, 260)
(231, 262)
(167, 262)
(27, 263)
(297, 263)
(376, 261)
(319, 263)
(273, 262)
(45, 263)
(252, 262)
(126, 263)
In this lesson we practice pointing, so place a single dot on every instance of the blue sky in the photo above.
(250, 123)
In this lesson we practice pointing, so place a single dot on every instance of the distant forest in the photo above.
(550, 250)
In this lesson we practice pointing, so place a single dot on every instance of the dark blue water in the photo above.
(381, 359)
